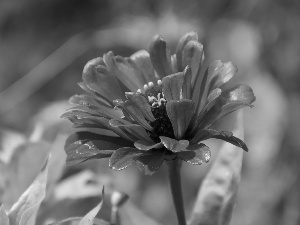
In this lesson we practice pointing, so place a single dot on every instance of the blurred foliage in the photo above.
(45, 44)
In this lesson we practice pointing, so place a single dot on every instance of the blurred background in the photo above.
(44, 45)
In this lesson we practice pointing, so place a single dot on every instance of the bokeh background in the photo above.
(44, 45)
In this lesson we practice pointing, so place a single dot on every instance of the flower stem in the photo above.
(175, 185)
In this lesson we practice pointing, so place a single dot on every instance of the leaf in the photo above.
(131, 215)
(3, 216)
(216, 198)
(24, 211)
(76, 220)
(88, 219)
(25, 165)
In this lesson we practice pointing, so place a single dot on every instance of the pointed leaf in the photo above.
(216, 198)
(3, 216)
(24, 211)
(160, 56)
(22, 170)
(124, 157)
(150, 161)
(180, 114)
(88, 219)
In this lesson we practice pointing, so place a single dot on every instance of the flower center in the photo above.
(162, 125)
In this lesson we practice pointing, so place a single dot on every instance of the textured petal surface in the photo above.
(197, 156)
(99, 79)
(150, 161)
(145, 145)
(229, 101)
(180, 114)
(143, 62)
(160, 56)
(84, 145)
(205, 134)
(193, 57)
(172, 85)
(124, 157)
(181, 44)
(125, 70)
(142, 103)
(174, 145)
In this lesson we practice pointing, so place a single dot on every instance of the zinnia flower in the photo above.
(152, 107)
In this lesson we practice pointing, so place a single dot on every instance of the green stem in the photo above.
(175, 185)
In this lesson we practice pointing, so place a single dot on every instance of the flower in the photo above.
(152, 107)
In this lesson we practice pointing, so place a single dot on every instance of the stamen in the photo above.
(159, 82)
(146, 87)
(139, 91)
(150, 84)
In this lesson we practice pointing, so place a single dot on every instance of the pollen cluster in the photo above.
(162, 125)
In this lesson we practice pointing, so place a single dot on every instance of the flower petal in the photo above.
(133, 130)
(197, 156)
(145, 145)
(187, 83)
(81, 146)
(95, 95)
(96, 76)
(193, 56)
(83, 118)
(181, 44)
(216, 75)
(125, 70)
(174, 145)
(142, 103)
(150, 161)
(124, 157)
(136, 114)
(180, 114)
(143, 62)
(90, 103)
(173, 64)
(227, 136)
(229, 101)
(160, 56)
(172, 85)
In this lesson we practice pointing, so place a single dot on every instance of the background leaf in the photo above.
(23, 168)
(25, 209)
(217, 195)
(130, 215)
(3, 216)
